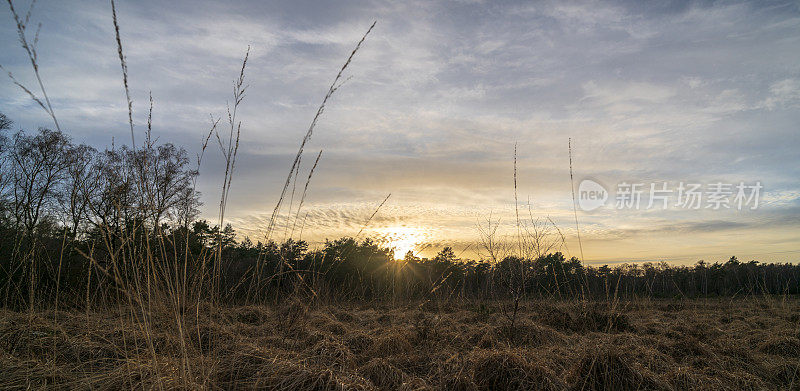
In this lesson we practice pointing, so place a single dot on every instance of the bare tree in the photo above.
(39, 164)
(5, 177)
(167, 180)
(5, 122)
(79, 184)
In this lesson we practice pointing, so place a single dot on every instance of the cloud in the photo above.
(440, 94)
(784, 94)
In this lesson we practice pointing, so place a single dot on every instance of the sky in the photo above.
(435, 103)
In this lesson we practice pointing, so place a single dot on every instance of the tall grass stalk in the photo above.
(258, 270)
(305, 191)
(22, 24)
(331, 90)
(366, 223)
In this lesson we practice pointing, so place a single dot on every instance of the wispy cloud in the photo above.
(440, 94)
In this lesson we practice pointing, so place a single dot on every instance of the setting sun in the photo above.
(402, 239)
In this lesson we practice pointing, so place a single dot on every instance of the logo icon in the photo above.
(591, 195)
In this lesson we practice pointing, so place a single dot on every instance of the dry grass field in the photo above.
(711, 344)
(140, 289)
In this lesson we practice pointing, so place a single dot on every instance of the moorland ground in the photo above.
(115, 235)
(714, 344)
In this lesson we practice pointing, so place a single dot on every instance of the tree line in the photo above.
(83, 224)
(62, 204)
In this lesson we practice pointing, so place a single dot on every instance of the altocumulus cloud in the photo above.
(441, 92)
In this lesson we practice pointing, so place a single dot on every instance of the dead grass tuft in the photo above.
(331, 354)
(392, 343)
(782, 346)
(459, 383)
(382, 374)
(604, 367)
(786, 374)
(597, 317)
(284, 375)
(292, 313)
(507, 370)
(359, 342)
(251, 315)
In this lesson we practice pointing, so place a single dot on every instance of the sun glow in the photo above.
(402, 239)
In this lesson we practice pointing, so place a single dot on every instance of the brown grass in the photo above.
(701, 344)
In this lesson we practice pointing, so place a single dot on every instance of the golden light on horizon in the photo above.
(402, 239)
